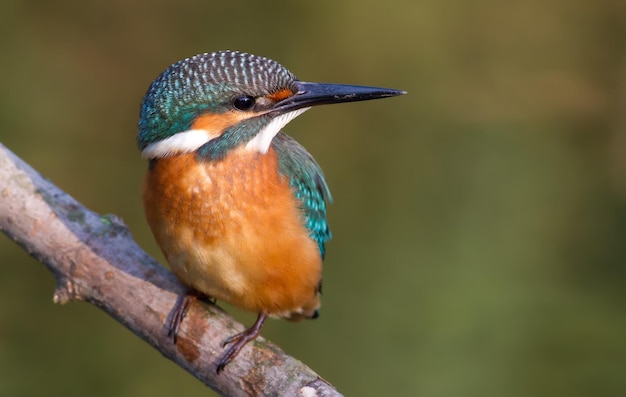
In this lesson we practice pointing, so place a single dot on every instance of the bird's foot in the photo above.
(180, 310)
(239, 340)
(178, 313)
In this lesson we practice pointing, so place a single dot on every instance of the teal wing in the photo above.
(307, 180)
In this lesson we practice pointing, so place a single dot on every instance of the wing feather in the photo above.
(307, 180)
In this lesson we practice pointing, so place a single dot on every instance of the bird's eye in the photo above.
(243, 102)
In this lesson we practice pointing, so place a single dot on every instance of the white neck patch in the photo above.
(182, 142)
(262, 141)
(191, 140)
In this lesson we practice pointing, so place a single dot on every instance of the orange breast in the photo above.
(233, 230)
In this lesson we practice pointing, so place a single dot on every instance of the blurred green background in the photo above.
(479, 222)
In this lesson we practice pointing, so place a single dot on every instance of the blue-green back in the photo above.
(307, 180)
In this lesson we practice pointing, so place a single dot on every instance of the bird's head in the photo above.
(215, 102)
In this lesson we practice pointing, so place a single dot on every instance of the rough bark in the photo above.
(95, 259)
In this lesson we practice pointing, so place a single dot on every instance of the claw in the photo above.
(178, 313)
(239, 340)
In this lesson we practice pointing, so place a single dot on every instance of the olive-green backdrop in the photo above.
(479, 221)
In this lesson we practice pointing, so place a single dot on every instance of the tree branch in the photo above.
(95, 259)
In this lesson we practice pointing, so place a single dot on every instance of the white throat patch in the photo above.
(262, 141)
(191, 140)
(182, 142)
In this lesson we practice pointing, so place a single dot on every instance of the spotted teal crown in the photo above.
(205, 82)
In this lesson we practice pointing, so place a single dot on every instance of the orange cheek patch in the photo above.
(216, 124)
(280, 95)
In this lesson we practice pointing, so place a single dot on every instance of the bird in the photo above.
(237, 206)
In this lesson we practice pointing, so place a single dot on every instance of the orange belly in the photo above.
(233, 230)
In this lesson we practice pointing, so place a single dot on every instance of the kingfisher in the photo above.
(238, 207)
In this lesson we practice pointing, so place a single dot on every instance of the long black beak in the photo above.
(312, 94)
